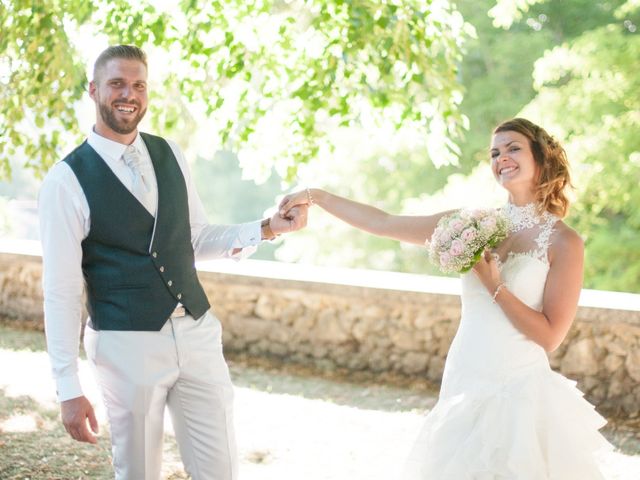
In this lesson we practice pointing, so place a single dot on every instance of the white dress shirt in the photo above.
(64, 223)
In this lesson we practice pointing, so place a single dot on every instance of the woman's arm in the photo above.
(410, 229)
(561, 293)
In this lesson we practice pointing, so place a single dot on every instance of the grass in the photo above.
(13, 338)
(48, 452)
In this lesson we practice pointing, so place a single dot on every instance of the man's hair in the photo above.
(130, 52)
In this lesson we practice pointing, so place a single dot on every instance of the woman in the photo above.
(502, 412)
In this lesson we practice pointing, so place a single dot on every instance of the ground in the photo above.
(292, 422)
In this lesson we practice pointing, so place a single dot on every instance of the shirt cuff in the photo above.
(250, 234)
(245, 252)
(68, 388)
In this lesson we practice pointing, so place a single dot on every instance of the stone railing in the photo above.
(380, 321)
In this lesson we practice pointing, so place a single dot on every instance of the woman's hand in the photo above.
(487, 271)
(302, 197)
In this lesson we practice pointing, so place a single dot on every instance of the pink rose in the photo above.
(445, 235)
(477, 214)
(456, 225)
(488, 223)
(457, 247)
(445, 258)
(469, 234)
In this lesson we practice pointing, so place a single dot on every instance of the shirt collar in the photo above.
(110, 150)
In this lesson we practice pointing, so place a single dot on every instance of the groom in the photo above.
(122, 222)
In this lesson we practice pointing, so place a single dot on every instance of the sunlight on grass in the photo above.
(19, 423)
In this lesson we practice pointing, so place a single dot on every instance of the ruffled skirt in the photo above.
(535, 426)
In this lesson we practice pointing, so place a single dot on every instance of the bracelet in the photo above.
(265, 229)
(309, 197)
(498, 288)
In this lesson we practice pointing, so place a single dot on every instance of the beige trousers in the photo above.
(182, 367)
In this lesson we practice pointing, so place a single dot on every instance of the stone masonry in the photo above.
(379, 329)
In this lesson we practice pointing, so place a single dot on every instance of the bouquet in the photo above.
(460, 238)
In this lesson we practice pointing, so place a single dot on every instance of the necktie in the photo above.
(142, 177)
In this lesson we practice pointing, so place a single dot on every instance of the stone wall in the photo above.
(378, 321)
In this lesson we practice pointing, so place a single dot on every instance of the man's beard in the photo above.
(120, 126)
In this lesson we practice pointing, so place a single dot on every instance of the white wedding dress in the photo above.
(503, 414)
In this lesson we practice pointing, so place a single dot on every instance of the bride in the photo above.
(502, 413)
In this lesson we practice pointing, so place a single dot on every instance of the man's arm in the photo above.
(63, 225)
(227, 241)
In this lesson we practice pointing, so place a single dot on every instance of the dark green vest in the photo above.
(131, 286)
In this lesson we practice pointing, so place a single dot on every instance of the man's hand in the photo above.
(75, 413)
(295, 219)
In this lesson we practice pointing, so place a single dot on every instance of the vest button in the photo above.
(154, 254)
(162, 269)
(169, 283)
(179, 296)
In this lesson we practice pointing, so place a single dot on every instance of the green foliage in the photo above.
(613, 257)
(228, 198)
(585, 91)
(39, 79)
(498, 68)
(589, 91)
(506, 12)
(371, 90)
(496, 74)
(316, 63)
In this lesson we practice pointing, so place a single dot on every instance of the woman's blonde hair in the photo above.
(552, 162)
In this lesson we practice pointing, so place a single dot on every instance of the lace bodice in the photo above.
(529, 233)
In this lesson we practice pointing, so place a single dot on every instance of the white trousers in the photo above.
(182, 367)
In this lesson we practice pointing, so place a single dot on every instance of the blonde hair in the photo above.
(552, 162)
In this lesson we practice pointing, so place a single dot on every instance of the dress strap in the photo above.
(543, 240)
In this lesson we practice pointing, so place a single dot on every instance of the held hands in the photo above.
(75, 413)
(294, 219)
(302, 197)
(292, 212)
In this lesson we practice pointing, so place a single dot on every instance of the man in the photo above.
(120, 215)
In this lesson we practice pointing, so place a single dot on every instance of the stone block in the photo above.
(632, 363)
(435, 369)
(251, 328)
(278, 349)
(405, 340)
(617, 388)
(267, 308)
(414, 362)
(379, 361)
(304, 323)
(424, 320)
(581, 358)
(613, 362)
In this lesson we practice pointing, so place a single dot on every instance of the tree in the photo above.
(308, 64)
(497, 75)
(587, 91)
(590, 92)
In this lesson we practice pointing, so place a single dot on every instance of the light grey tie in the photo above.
(142, 177)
